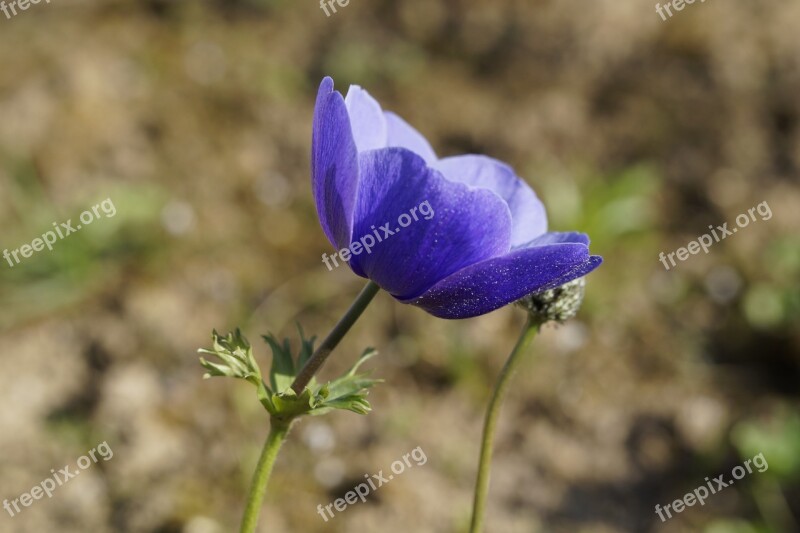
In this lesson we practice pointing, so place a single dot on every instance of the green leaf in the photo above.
(214, 369)
(368, 354)
(289, 405)
(351, 382)
(306, 348)
(236, 360)
(357, 404)
(349, 391)
(282, 373)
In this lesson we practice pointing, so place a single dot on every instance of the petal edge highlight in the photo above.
(528, 216)
(334, 165)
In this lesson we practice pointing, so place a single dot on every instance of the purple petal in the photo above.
(400, 133)
(366, 118)
(334, 165)
(464, 225)
(528, 217)
(491, 284)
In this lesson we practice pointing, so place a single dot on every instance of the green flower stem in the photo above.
(279, 429)
(493, 411)
(316, 361)
(258, 487)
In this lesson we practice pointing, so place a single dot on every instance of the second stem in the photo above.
(492, 413)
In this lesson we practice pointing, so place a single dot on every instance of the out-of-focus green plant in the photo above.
(734, 526)
(620, 206)
(82, 262)
(777, 439)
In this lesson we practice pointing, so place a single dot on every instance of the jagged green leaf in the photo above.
(306, 347)
(236, 360)
(282, 371)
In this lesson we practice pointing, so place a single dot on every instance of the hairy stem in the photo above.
(258, 487)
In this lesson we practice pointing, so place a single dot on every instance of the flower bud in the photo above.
(559, 304)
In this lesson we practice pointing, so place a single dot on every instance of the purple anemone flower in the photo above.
(486, 244)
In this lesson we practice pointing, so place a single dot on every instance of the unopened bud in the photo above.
(559, 304)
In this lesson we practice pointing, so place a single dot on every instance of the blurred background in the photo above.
(194, 119)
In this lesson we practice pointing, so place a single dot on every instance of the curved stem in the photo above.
(258, 487)
(492, 412)
(316, 361)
